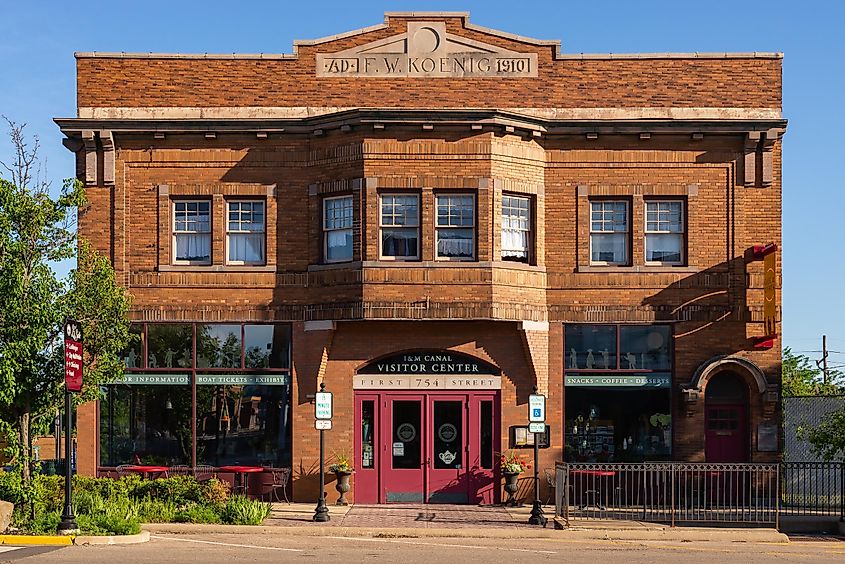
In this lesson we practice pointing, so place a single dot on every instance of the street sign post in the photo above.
(73, 384)
(323, 421)
(537, 425)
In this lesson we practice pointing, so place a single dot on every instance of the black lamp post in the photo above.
(73, 383)
(321, 513)
(537, 517)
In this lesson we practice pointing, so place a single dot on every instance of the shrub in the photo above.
(215, 491)
(11, 488)
(179, 489)
(240, 510)
(198, 514)
(150, 510)
(45, 522)
(107, 524)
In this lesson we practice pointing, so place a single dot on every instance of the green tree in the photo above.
(36, 232)
(828, 439)
(801, 377)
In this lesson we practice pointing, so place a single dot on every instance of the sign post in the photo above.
(73, 384)
(537, 425)
(323, 417)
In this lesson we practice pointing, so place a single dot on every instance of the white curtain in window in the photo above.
(663, 248)
(449, 246)
(246, 247)
(514, 243)
(339, 245)
(609, 247)
(193, 246)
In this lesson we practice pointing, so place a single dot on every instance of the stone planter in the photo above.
(511, 487)
(342, 486)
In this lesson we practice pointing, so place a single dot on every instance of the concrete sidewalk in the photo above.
(461, 521)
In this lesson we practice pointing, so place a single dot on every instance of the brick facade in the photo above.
(153, 128)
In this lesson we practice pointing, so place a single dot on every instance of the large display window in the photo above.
(200, 394)
(618, 382)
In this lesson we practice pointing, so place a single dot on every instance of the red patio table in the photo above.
(145, 471)
(242, 475)
(591, 478)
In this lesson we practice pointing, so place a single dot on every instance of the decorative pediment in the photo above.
(426, 50)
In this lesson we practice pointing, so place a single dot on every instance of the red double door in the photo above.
(426, 448)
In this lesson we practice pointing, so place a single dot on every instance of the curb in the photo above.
(36, 540)
(143, 536)
(651, 534)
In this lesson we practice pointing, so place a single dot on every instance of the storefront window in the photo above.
(591, 347)
(617, 424)
(618, 393)
(218, 346)
(267, 346)
(243, 424)
(133, 355)
(367, 434)
(169, 345)
(142, 424)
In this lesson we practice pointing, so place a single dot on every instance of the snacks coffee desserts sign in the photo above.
(426, 50)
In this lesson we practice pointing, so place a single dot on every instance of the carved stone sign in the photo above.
(426, 50)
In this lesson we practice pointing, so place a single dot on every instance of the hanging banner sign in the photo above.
(73, 356)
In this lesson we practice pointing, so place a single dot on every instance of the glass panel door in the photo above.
(447, 480)
(403, 476)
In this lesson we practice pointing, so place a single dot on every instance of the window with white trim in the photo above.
(337, 229)
(192, 232)
(245, 229)
(400, 226)
(455, 224)
(516, 228)
(664, 232)
(609, 232)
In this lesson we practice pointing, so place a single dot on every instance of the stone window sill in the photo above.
(216, 268)
(638, 269)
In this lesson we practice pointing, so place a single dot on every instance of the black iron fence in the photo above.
(681, 492)
(813, 489)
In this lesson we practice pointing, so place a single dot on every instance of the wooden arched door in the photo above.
(726, 419)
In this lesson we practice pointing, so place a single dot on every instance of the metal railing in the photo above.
(813, 489)
(669, 492)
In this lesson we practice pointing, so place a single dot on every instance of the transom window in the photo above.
(400, 226)
(664, 231)
(245, 232)
(516, 228)
(455, 227)
(192, 232)
(609, 232)
(337, 229)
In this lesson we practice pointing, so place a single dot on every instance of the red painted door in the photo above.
(484, 439)
(402, 452)
(446, 448)
(726, 438)
(367, 453)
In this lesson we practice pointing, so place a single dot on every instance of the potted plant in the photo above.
(342, 468)
(512, 466)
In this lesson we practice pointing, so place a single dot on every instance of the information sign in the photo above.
(323, 424)
(537, 427)
(73, 356)
(536, 408)
(323, 405)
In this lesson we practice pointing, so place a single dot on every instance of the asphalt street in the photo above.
(406, 549)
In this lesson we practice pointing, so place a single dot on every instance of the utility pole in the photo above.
(824, 359)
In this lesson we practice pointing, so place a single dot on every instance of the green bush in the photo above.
(150, 510)
(107, 524)
(11, 488)
(240, 510)
(45, 522)
(199, 514)
(179, 489)
(215, 491)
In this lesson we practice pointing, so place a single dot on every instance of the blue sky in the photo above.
(38, 38)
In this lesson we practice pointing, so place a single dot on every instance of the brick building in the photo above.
(432, 218)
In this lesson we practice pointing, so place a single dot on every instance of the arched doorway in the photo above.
(726, 418)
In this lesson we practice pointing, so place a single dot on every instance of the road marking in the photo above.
(444, 544)
(228, 544)
(9, 548)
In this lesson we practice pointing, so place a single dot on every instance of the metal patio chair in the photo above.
(281, 477)
(550, 483)
(179, 470)
(204, 472)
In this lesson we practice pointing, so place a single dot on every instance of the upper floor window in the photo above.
(400, 226)
(664, 231)
(455, 227)
(516, 228)
(192, 232)
(609, 232)
(337, 229)
(245, 232)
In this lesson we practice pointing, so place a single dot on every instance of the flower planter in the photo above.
(342, 486)
(511, 487)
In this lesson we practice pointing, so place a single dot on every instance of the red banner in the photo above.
(73, 356)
